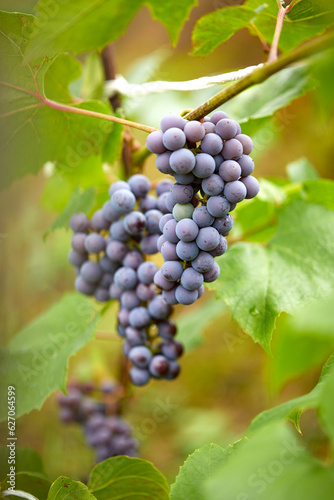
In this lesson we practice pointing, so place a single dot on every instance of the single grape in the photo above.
(165, 218)
(217, 116)
(168, 251)
(247, 165)
(76, 258)
(164, 186)
(106, 280)
(169, 296)
(123, 317)
(183, 211)
(184, 178)
(123, 201)
(133, 259)
(172, 271)
(191, 279)
(213, 185)
(109, 213)
(139, 317)
(79, 223)
(169, 231)
(202, 217)
(185, 297)
(94, 243)
(170, 202)
(139, 376)
(174, 138)
(129, 300)
(187, 251)
(118, 185)
(186, 230)
(194, 131)
(148, 203)
(220, 248)
(116, 251)
(158, 308)
(160, 242)
(148, 244)
(252, 186)
(78, 242)
(203, 262)
(99, 222)
(223, 224)
(182, 161)
(83, 286)
(146, 272)
(218, 161)
(213, 274)
(208, 239)
(126, 347)
(209, 127)
(205, 165)
(232, 149)
(161, 203)
(182, 193)
(159, 366)
(166, 329)
(173, 371)
(125, 278)
(101, 294)
(226, 128)
(200, 291)
(115, 291)
(145, 292)
(140, 185)
(162, 282)
(135, 222)
(172, 120)
(235, 191)
(91, 272)
(152, 221)
(162, 163)
(218, 206)
(230, 170)
(140, 356)
(118, 232)
(247, 143)
(172, 349)
(154, 142)
(212, 144)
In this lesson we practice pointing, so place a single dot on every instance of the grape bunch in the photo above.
(109, 253)
(104, 430)
(210, 164)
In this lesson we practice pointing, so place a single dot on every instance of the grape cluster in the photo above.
(108, 254)
(104, 431)
(210, 164)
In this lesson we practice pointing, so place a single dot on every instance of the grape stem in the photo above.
(278, 29)
(259, 75)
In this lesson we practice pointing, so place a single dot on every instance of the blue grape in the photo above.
(218, 206)
(161, 241)
(235, 191)
(101, 295)
(164, 186)
(220, 248)
(170, 202)
(134, 222)
(115, 291)
(145, 292)
(116, 251)
(182, 193)
(169, 231)
(140, 185)
(173, 370)
(83, 286)
(213, 274)
(212, 144)
(187, 251)
(252, 186)
(183, 211)
(173, 139)
(116, 186)
(158, 308)
(123, 201)
(139, 317)
(247, 165)
(169, 296)
(165, 218)
(123, 317)
(208, 239)
(99, 222)
(172, 120)
(200, 291)
(209, 127)
(205, 166)
(79, 223)
(129, 300)
(161, 282)
(148, 203)
(171, 350)
(185, 297)
(133, 259)
(182, 161)
(217, 116)
(202, 217)
(154, 142)
(94, 243)
(247, 143)
(126, 347)
(184, 178)
(91, 272)
(146, 272)
(203, 262)
(168, 251)
(172, 270)
(194, 131)
(230, 170)
(126, 278)
(162, 163)
(161, 203)
(226, 128)
(106, 280)
(191, 279)
(109, 213)
(78, 242)
(139, 376)
(77, 258)
(213, 185)
(152, 221)
(166, 329)
(140, 356)
(186, 230)
(232, 149)
(159, 366)
(118, 232)
(223, 224)
(148, 244)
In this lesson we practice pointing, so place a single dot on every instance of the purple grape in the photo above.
(140, 356)
(232, 149)
(101, 295)
(79, 223)
(212, 144)
(161, 203)
(182, 193)
(146, 272)
(162, 282)
(134, 222)
(182, 161)
(168, 251)
(165, 218)
(109, 213)
(154, 142)
(140, 185)
(162, 163)
(209, 127)
(220, 248)
(184, 178)
(169, 231)
(118, 232)
(139, 376)
(169, 296)
(208, 239)
(213, 274)
(83, 286)
(116, 251)
(173, 139)
(158, 308)
(213, 185)
(247, 143)
(226, 128)
(191, 279)
(203, 262)
(223, 224)
(108, 265)
(235, 191)
(218, 206)
(217, 116)
(170, 202)
(159, 366)
(230, 170)
(185, 297)
(172, 120)
(139, 317)
(123, 201)
(148, 203)
(173, 371)
(94, 243)
(218, 161)
(129, 300)
(106, 280)
(133, 259)
(252, 186)
(164, 186)
(91, 272)
(205, 165)
(166, 329)
(247, 165)
(125, 278)
(152, 220)
(145, 292)
(171, 350)
(115, 291)
(194, 131)
(123, 317)
(76, 258)
(186, 230)
(200, 291)
(202, 217)
(187, 251)
(99, 222)
(78, 242)
(116, 186)
(161, 241)
(148, 244)
(172, 271)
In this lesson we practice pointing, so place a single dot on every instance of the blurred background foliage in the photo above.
(226, 379)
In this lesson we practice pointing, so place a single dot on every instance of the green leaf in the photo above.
(301, 170)
(112, 149)
(35, 361)
(26, 460)
(172, 14)
(215, 28)
(33, 483)
(79, 202)
(93, 77)
(65, 488)
(326, 405)
(123, 477)
(258, 283)
(273, 464)
(32, 133)
(263, 100)
(79, 26)
(63, 70)
(321, 191)
(191, 325)
(199, 467)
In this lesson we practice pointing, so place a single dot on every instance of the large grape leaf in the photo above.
(31, 132)
(172, 14)
(29, 482)
(35, 361)
(26, 460)
(124, 477)
(302, 23)
(259, 282)
(67, 489)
